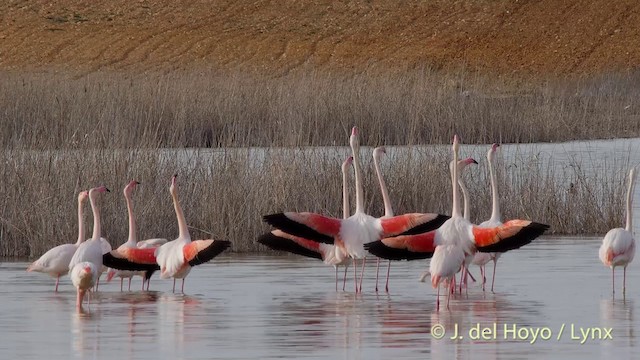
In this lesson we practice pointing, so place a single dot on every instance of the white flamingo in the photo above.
(89, 253)
(480, 258)
(176, 257)
(55, 262)
(618, 246)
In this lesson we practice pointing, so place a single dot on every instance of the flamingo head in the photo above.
(96, 190)
(110, 274)
(492, 151)
(173, 183)
(87, 269)
(456, 143)
(83, 195)
(346, 164)
(130, 187)
(377, 152)
(470, 161)
(353, 140)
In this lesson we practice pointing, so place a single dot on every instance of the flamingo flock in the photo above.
(452, 243)
(85, 261)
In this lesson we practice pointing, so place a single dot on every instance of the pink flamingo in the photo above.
(618, 246)
(329, 254)
(55, 262)
(132, 243)
(177, 257)
(462, 164)
(482, 258)
(458, 237)
(358, 229)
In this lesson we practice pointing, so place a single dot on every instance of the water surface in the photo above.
(268, 307)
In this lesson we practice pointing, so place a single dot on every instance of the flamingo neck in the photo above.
(629, 226)
(96, 216)
(465, 200)
(455, 211)
(345, 195)
(388, 209)
(355, 149)
(132, 221)
(495, 207)
(81, 230)
(182, 223)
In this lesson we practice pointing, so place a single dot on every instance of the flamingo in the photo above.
(329, 254)
(458, 237)
(55, 262)
(482, 258)
(462, 164)
(358, 229)
(90, 251)
(83, 276)
(132, 243)
(618, 246)
(177, 257)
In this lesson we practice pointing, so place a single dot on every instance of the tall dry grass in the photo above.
(195, 109)
(225, 192)
(60, 135)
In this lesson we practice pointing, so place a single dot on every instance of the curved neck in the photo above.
(388, 210)
(132, 221)
(465, 200)
(96, 216)
(345, 195)
(495, 207)
(81, 231)
(455, 211)
(358, 179)
(629, 226)
(182, 223)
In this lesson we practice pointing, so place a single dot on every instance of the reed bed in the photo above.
(225, 192)
(235, 109)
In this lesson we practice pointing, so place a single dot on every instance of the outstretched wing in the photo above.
(404, 247)
(200, 251)
(132, 259)
(279, 240)
(411, 224)
(306, 225)
(508, 236)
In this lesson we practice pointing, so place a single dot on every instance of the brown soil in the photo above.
(552, 37)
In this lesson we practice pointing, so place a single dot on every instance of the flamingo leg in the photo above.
(182, 288)
(143, 281)
(482, 274)
(344, 279)
(336, 279)
(174, 285)
(438, 299)
(449, 295)
(613, 280)
(470, 275)
(355, 273)
(57, 282)
(377, 273)
(121, 280)
(148, 283)
(624, 281)
(386, 287)
(364, 262)
(98, 283)
(129, 284)
(493, 277)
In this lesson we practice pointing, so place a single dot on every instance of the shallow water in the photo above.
(240, 307)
